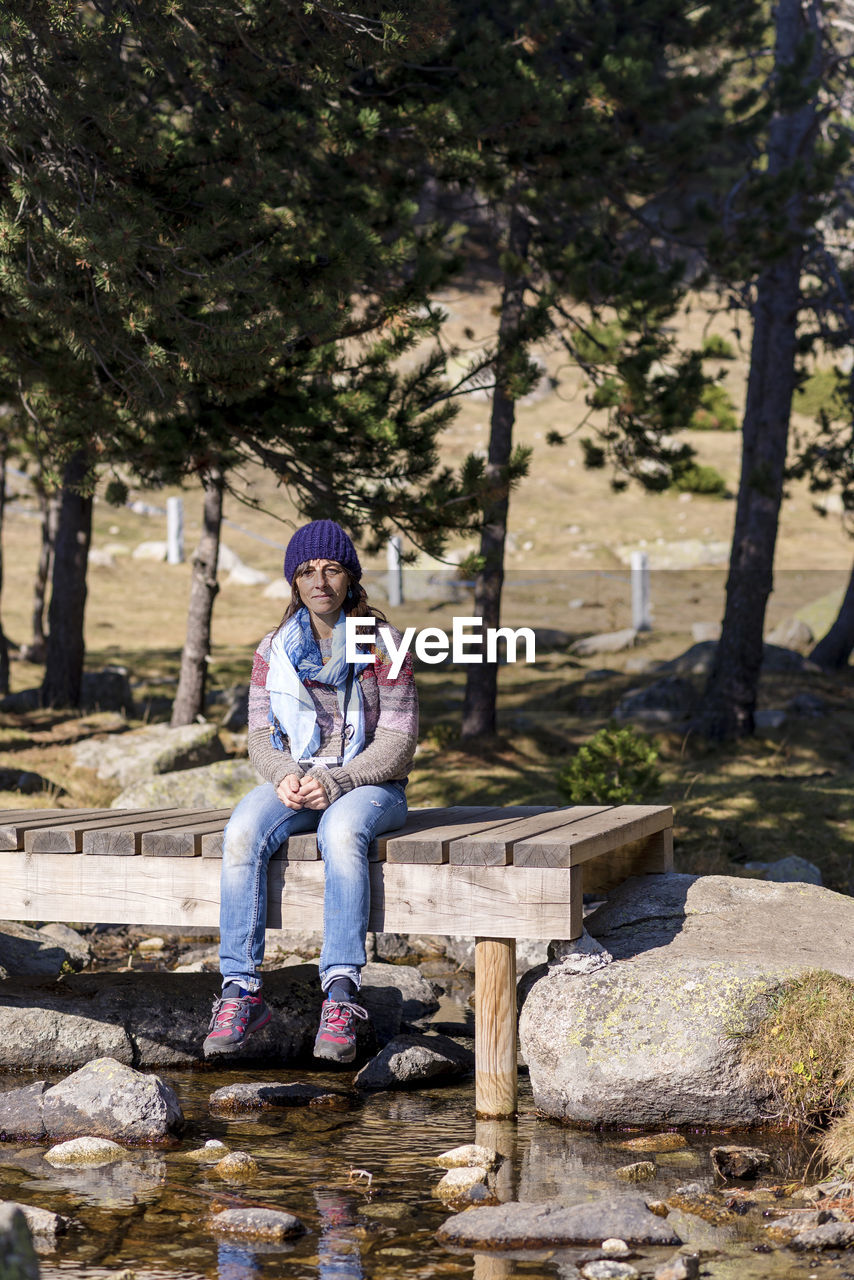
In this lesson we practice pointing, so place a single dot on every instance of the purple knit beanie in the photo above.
(321, 540)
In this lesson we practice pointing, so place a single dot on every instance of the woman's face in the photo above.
(322, 585)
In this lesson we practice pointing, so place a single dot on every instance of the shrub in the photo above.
(823, 392)
(716, 411)
(697, 478)
(716, 346)
(617, 766)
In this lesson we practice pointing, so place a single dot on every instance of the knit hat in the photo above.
(321, 540)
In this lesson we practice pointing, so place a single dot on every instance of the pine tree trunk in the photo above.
(729, 700)
(833, 650)
(49, 511)
(65, 646)
(479, 707)
(4, 642)
(190, 698)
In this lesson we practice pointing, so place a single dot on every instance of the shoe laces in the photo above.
(227, 1012)
(337, 1015)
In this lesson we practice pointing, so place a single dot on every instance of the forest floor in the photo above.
(782, 792)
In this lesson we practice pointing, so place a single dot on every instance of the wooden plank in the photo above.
(126, 841)
(496, 848)
(66, 835)
(14, 824)
(599, 834)
(495, 1027)
(432, 844)
(182, 842)
(653, 853)
(513, 902)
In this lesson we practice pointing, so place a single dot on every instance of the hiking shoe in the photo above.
(336, 1037)
(234, 1017)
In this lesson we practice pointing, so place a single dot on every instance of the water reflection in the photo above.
(338, 1252)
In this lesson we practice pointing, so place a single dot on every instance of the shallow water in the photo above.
(150, 1213)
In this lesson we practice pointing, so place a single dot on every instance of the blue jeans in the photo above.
(259, 825)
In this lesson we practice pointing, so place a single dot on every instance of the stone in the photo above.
(792, 633)
(655, 1142)
(27, 782)
(237, 1166)
(77, 950)
(609, 1269)
(699, 659)
(682, 1267)
(144, 753)
(669, 700)
(614, 1248)
(85, 1150)
(258, 1224)
(740, 1162)
(519, 1225)
(150, 946)
(792, 870)
(26, 951)
(154, 550)
(701, 631)
(211, 1153)
(18, 1259)
(457, 1181)
(236, 714)
(469, 1156)
(655, 1038)
(213, 786)
(243, 575)
(21, 1110)
(108, 1099)
(606, 642)
(394, 993)
(107, 689)
(100, 558)
(769, 718)
(641, 1171)
(44, 1225)
(683, 553)
(529, 953)
(832, 1235)
(235, 1098)
(408, 1060)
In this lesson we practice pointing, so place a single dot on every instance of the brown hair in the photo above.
(355, 602)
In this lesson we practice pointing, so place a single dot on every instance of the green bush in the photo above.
(617, 766)
(823, 391)
(716, 346)
(697, 478)
(716, 411)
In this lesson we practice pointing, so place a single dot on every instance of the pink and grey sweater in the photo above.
(391, 724)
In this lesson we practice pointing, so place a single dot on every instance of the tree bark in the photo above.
(4, 642)
(479, 706)
(833, 650)
(729, 700)
(190, 698)
(65, 646)
(49, 509)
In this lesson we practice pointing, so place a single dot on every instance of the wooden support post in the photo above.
(495, 1027)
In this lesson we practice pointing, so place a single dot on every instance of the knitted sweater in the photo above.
(391, 724)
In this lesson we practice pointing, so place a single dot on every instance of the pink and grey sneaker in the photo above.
(234, 1017)
(336, 1036)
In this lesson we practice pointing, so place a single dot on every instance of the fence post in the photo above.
(395, 571)
(641, 619)
(175, 530)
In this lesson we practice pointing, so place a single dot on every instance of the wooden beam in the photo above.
(433, 844)
(495, 1027)
(127, 841)
(496, 848)
(597, 834)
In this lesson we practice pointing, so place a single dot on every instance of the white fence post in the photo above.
(175, 530)
(395, 571)
(641, 618)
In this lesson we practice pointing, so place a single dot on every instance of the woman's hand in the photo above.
(312, 794)
(288, 791)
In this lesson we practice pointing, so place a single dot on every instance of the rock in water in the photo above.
(410, 1059)
(21, 1113)
(261, 1224)
(649, 1039)
(516, 1225)
(470, 1156)
(457, 1181)
(18, 1259)
(261, 1097)
(110, 1100)
(641, 1171)
(44, 1226)
(85, 1151)
(740, 1162)
(237, 1166)
(832, 1235)
(682, 1267)
(609, 1269)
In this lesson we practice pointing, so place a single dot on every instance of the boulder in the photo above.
(606, 642)
(233, 1098)
(669, 700)
(26, 951)
(21, 1113)
(791, 870)
(517, 1225)
(75, 946)
(831, 1235)
(701, 631)
(236, 714)
(654, 1038)
(108, 1099)
(243, 575)
(258, 1224)
(18, 1259)
(152, 550)
(44, 1225)
(699, 659)
(213, 786)
(792, 633)
(85, 1150)
(529, 953)
(132, 757)
(159, 1019)
(409, 1060)
(107, 690)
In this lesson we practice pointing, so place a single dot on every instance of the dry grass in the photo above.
(802, 1048)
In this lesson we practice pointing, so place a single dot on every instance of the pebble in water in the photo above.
(211, 1153)
(85, 1151)
(682, 1267)
(262, 1224)
(654, 1142)
(459, 1180)
(469, 1156)
(608, 1269)
(641, 1171)
(236, 1166)
(614, 1248)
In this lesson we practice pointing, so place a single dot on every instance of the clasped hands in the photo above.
(302, 793)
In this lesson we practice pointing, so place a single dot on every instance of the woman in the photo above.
(335, 742)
